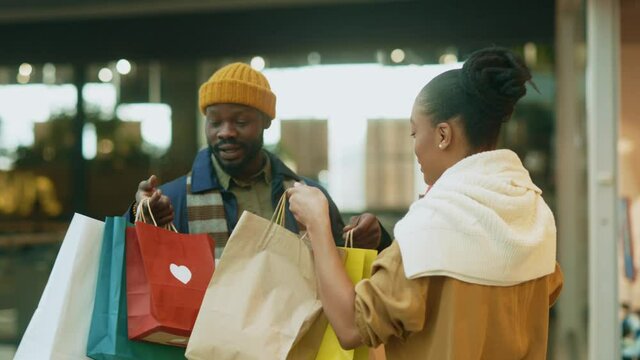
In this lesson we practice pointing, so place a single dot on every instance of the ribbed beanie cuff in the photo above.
(238, 84)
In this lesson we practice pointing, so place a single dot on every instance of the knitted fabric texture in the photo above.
(238, 83)
(482, 222)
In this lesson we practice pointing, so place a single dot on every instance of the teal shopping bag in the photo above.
(108, 333)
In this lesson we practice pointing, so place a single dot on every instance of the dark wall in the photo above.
(360, 27)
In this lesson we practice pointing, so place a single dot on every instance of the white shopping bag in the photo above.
(59, 327)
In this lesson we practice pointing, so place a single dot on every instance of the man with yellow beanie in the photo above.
(234, 173)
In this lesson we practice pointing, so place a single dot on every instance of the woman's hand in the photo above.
(309, 206)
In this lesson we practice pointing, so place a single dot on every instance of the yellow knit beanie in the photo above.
(238, 83)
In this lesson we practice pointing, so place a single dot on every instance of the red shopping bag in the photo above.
(167, 276)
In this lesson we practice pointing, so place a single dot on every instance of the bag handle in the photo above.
(279, 218)
(348, 242)
(140, 215)
(279, 214)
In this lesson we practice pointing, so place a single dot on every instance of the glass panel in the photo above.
(629, 185)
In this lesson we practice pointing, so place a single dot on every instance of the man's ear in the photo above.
(266, 122)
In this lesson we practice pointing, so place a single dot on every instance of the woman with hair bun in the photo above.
(472, 272)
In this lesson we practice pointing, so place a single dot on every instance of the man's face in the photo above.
(235, 135)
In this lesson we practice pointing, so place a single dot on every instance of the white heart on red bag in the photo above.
(180, 272)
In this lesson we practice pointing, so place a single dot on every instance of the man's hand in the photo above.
(366, 231)
(160, 204)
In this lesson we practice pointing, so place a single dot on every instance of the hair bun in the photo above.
(496, 78)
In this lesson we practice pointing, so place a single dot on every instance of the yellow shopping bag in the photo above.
(357, 263)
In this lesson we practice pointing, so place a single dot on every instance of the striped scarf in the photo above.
(205, 213)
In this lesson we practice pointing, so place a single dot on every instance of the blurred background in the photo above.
(96, 95)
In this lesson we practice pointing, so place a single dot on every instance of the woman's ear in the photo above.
(444, 134)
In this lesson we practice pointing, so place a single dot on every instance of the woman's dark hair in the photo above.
(483, 93)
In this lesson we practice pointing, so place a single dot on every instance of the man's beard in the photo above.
(237, 168)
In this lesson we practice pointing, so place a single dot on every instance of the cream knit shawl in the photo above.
(482, 222)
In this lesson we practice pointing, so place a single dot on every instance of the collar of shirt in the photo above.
(225, 179)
